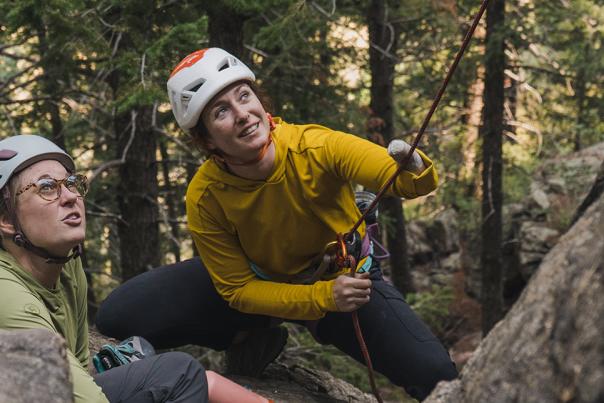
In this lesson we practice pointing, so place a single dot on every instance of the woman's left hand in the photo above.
(350, 293)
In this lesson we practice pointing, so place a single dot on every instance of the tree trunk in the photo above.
(169, 195)
(53, 70)
(491, 251)
(137, 193)
(136, 146)
(382, 83)
(472, 120)
(225, 29)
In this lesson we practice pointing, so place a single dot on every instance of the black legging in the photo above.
(177, 304)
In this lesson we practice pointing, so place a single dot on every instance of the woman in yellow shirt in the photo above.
(261, 211)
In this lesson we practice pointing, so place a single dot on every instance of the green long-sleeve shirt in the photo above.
(27, 304)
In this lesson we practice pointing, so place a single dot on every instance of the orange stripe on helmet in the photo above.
(188, 61)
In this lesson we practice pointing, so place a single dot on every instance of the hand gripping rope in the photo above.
(342, 258)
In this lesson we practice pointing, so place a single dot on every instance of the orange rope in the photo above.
(343, 259)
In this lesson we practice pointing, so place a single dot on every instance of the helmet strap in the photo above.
(21, 240)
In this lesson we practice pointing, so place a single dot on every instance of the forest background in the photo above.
(91, 76)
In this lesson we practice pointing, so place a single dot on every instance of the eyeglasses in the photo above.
(50, 189)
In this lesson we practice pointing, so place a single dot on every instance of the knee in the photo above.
(443, 369)
(185, 364)
(183, 377)
(431, 371)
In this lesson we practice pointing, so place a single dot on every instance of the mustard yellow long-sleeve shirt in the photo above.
(282, 223)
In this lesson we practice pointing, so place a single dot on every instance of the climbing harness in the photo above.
(343, 259)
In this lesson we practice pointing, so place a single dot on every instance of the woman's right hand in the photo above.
(350, 293)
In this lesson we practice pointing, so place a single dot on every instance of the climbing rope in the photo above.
(342, 258)
(424, 125)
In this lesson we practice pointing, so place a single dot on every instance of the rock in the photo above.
(33, 367)
(448, 392)
(557, 185)
(549, 347)
(513, 210)
(288, 381)
(443, 234)
(451, 263)
(418, 245)
(431, 240)
(433, 248)
(464, 348)
(596, 190)
(567, 179)
(537, 240)
(539, 198)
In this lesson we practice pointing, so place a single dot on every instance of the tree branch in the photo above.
(24, 101)
(117, 162)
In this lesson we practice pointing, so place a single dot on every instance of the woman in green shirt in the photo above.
(42, 283)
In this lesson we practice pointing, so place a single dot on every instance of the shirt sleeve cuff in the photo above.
(427, 180)
(323, 295)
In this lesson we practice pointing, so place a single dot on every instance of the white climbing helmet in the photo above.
(198, 78)
(19, 152)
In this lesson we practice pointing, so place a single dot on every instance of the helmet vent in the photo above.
(185, 100)
(5, 155)
(195, 86)
(198, 86)
(224, 66)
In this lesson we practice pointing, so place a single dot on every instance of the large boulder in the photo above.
(549, 347)
(33, 367)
